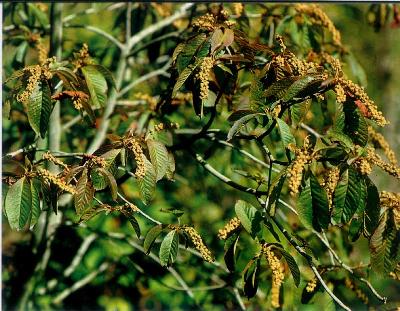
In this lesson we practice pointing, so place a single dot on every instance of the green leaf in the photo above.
(169, 248)
(257, 97)
(99, 181)
(96, 84)
(286, 134)
(39, 108)
(294, 268)
(298, 86)
(190, 49)
(147, 184)
(321, 217)
(372, 209)
(278, 88)
(184, 75)
(135, 224)
(275, 193)
(385, 245)
(299, 111)
(356, 223)
(110, 181)
(170, 166)
(230, 251)
(251, 277)
(158, 157)
(84, 193)
(237, 125)
(107, 74)
(346, 196)
(40, 16)
(304, 207)
(35, 209)
(92, 211)
(249, 216)
(151, 236)
(18, 204)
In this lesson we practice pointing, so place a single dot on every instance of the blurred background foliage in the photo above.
(133, 280)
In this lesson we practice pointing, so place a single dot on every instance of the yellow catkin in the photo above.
(373, 112)
(54, 179)
(359, 293)
(340, 94)
(35, 73)
(295, 172)
(199, 244)
(277, 274)
(82, 58)
(203, 76)
(95, 160)
(206, 22)
(300, 66)
(392, 200)
(319, 17)
(311, 285)
(381, 142)
(330, 183)
(40, 48)
(238, 9)
(365, 164)
(133, 145)
(231, 226)
(49, 157)
(333, 62)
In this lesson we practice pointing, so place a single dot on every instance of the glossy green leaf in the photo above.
(150, 238)
(84, 193)
(346, 196)
(18, 203)
(385, 245)
(294, 268)
(230, 251)
(372, 209)
(298, 86)
(96, 84)
(287, 137)
(249, 216)
(39, 108)
(169, 248)
(147, 184)
(110, 180)
(35, 208)
(237, 125)
(251, 278)
(321, 217)
(158, 157)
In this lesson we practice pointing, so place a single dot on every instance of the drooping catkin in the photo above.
(295, 172)
(379, 140)
(319, 17)
(133, 145)
(203, 76)
(231, 226)
(54, 179)
(277, 274)
(199, 244)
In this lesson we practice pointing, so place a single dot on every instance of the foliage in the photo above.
(251, 115)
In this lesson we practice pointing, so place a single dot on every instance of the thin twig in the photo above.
(81, 283)
(159, 25)
(88, 240)
(309, 259)
(100, 32)
(139, 210)
(161, 71)
(225, 179)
